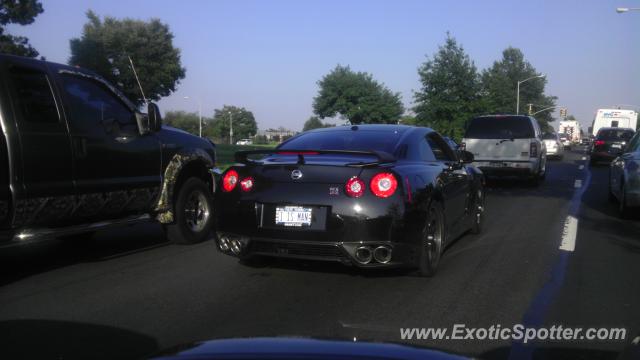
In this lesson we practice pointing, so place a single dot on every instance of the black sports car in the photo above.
(373, 196)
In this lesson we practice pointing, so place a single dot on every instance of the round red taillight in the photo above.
(383, 185)
(229, 180)
(354, 187)
(247, 184)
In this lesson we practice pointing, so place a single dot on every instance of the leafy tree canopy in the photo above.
(357, 97)
(314, 123)
(105, 47)
(189, 122)
(499, 84)
(244, 123)
(21, 12)
(449, 92)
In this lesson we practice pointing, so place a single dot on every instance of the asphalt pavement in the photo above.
(128, 293)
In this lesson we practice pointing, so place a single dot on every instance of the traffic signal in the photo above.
(563, 112)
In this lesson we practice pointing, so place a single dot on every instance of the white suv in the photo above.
(507, 145)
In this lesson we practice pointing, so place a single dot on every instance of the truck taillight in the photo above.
(229, 180)
(383, 185)
(354, 187)
(533, 150)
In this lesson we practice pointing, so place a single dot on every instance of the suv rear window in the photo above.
(615, 135)
(362, 140)
(503, 127)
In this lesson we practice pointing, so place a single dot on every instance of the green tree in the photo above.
(189, 122)
(357, 97)
(499, 87)
(22, 12)
(105, 47)
(408, 120)
(314, 123)
(449, 93)
(244, 123)
(571, 117)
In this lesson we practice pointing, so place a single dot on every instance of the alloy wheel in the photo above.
(196, 211)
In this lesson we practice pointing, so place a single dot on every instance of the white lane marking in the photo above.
(581, 167)
(569, 234)
(578, 184)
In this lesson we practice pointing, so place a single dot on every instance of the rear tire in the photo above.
(193, 213)
(478, 215)
(431, 241)
(625, 211)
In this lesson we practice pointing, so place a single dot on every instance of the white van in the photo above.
(507, 145)
(614, 118)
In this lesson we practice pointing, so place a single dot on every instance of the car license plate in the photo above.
(295, 216)
(616, 146)
(497, 164)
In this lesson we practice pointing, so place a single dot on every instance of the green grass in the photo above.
(225, 153)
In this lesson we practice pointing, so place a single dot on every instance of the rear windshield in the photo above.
(613, 135)
(549, 136)
(362, 140)
(507, 127)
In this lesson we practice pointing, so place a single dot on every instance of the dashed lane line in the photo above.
(569, 234)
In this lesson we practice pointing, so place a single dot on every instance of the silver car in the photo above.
(555, 147)
(624, 178)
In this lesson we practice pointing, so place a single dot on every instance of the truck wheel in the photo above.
(193, 213)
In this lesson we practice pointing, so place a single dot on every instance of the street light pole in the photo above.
(518, 91)
(230, 128)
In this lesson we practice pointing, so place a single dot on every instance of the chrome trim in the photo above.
(379, 258)
(30, 235)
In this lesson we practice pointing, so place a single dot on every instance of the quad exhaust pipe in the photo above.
(366, 254)
(363, 254)
(382, 254)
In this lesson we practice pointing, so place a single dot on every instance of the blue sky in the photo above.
(268, 55)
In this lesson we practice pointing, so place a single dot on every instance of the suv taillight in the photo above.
(229, 180)
(383, 185)
(533, 150)
(599, 143)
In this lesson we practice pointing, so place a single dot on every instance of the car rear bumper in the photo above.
(603, 156)
(399, 254)
(507, 168)
(247, 227)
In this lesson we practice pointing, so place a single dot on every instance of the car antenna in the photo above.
(135, 73)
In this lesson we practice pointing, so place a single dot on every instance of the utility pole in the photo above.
(530, 109)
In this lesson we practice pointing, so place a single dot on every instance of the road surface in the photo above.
(128, 293)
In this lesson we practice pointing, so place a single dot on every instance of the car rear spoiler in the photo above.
(381, 156)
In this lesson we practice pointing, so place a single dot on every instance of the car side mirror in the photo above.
(155, 119)
(143, 123)
(465, 157)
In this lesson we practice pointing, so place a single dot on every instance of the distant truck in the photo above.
(572, 129)
(614, 118)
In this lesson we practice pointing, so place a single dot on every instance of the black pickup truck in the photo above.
(76, 156)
